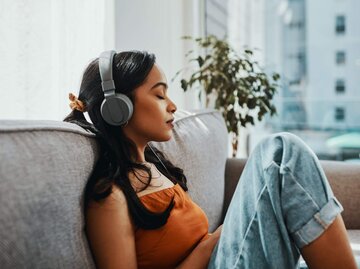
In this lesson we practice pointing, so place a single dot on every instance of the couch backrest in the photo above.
(44, 166)
(200, 147)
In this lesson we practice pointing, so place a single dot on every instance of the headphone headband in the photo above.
(106, 73)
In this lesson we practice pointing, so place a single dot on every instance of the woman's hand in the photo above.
(199, 258)
(213, 238)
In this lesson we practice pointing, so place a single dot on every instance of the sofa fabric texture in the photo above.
(43, 171)
(45, 165)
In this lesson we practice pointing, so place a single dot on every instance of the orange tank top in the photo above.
(168, 245)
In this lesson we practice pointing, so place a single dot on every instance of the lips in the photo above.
(170, 123)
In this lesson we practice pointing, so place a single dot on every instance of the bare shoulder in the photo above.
(115, 201)
(110, 230)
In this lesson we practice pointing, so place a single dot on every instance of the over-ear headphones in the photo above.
(117, 108)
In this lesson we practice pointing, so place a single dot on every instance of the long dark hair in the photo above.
(130, 70)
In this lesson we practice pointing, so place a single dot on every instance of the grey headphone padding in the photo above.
(116, 108)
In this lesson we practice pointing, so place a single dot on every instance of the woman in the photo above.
(138, 214)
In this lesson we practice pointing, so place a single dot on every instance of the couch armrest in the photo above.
(344, 179)
(233, 170)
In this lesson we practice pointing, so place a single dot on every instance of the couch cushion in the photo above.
(354, 237)
(199, 146)
(44, 166)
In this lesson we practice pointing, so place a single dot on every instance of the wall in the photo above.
(157, 26)
(45, 46)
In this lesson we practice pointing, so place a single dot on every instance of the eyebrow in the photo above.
(160, 84)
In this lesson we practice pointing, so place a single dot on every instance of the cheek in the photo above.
(148, 116)
(141, 109)
(149, 110)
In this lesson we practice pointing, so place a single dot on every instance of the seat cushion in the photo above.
(354, 237)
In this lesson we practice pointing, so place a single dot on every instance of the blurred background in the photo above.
(314, 46)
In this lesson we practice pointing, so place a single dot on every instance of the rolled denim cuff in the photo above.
(318, 223)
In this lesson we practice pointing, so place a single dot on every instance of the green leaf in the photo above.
(186, 37)
(200, 61)
(250, 119)
(199, 96)
(251, 103)
(276, 76)
(184, 84)
(188, 53)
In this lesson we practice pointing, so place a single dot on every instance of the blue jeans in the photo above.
(282, 202)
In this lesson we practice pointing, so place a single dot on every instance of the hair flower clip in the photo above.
(76, 103)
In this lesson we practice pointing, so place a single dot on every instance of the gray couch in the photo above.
(45, 164)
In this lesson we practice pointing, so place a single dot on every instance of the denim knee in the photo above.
(282, 194)
(307, 201)
(284, 149)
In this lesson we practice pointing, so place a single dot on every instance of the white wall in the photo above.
(157, 26)
(45, 46)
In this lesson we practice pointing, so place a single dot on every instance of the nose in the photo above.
(172, 107)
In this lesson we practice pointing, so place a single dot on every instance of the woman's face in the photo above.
(152, 110)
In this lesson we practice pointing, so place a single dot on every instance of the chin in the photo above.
(165, 137)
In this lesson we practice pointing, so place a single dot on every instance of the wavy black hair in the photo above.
(130, 70)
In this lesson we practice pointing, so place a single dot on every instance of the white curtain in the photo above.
(44, 47)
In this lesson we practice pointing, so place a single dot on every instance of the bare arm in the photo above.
(200, 256)
(111, 233)
(331, 250)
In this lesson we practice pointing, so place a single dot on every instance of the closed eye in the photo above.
(160, 97)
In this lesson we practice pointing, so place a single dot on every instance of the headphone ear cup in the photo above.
(117, 109)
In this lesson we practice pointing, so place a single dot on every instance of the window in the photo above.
(215, 18)
(52, 59)
(339, 114)
(298, 24)
(340, 57)
(340, 86)
(300, 47)
(340, 25)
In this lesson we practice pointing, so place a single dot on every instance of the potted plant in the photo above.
(241, 90)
